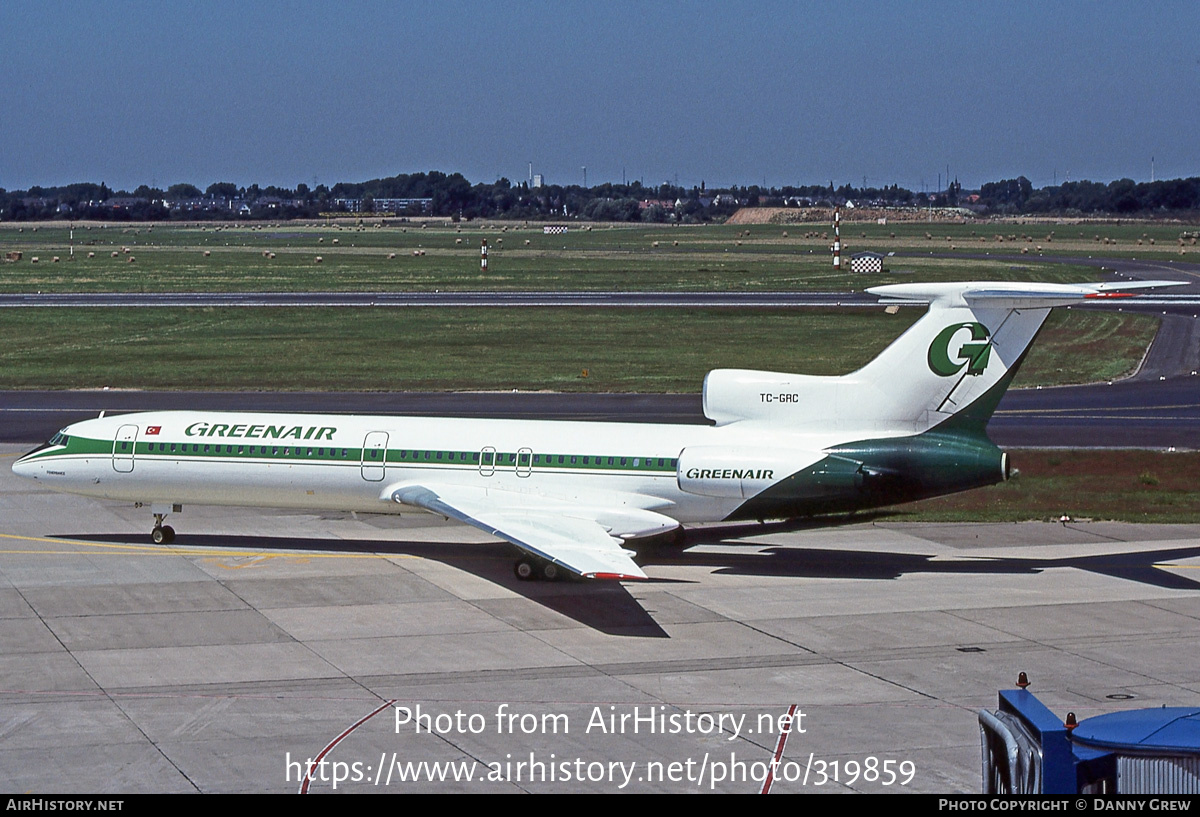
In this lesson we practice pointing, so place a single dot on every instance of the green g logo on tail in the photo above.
(973, 355)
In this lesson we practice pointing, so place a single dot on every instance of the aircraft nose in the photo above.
(25, 467)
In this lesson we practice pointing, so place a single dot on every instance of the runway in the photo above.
(1172, 303)
(620, 300)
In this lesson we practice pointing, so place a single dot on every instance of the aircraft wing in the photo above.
(582, 540)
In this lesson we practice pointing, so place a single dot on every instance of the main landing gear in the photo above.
(162, 534)
(529, 569)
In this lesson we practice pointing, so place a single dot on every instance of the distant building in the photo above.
(866, 262)
(403, 205)
(197, 204)
(537, 180)
(124, 202)
(387, 205)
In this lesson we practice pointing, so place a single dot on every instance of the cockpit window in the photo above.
(59, 439)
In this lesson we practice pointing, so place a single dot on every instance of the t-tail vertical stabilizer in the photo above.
(957, 359)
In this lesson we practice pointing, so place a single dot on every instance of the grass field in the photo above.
(606, 257)
(640, 350)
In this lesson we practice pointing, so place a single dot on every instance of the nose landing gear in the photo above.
(162, 534)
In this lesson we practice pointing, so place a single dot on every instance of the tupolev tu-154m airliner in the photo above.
(571, 495)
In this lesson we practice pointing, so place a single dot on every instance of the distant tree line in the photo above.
(1123, 196)
(452, 195)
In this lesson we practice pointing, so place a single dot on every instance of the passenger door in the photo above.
(374, 456)
(123, 448)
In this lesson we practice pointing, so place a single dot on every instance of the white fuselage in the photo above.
(329, 462)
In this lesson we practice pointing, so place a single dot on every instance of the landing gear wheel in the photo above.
(163, 534)
(550, 572)
(525, 570)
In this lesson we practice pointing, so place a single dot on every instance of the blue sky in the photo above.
(730, 93)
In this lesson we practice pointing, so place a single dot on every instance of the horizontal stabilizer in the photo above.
(1004, 295)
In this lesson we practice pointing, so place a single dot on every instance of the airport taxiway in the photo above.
(262, 637)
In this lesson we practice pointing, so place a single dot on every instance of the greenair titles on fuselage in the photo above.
(260, 431)
(729, 473)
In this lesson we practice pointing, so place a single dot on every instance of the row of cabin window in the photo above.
(538, 459)
(374, 454)
(274, 450)
(572, 459)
